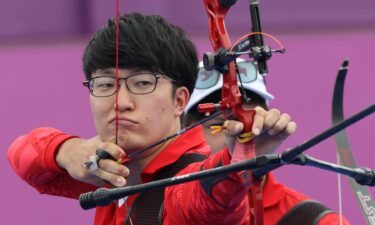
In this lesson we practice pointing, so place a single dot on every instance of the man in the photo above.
(208, 90)
(282, 205)
(156, 75)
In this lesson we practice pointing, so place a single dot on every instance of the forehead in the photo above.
(121, 72)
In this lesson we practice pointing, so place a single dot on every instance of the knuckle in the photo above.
(127, 171)
(117, 170)
(259, 115)
(111, 149)
(99, 173)
(123, 171)
(113, 180)
(292, 127)
(259, 111)
(278, 127)
(286, 116)
(105, 164)
(259, 108)
(275, 112)
(258, 119)
(80, 175)
(104, 145)
(114, 167)
(269, 122)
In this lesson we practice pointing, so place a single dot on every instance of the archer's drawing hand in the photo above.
(74, 152)
(270, 129)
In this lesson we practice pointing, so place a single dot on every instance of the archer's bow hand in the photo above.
(270, 129)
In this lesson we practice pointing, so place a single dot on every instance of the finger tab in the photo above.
(102, 154)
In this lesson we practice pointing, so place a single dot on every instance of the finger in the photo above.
(115, 180)
(270, 120)
(103, 154)
(232, 127)
(94, 180)
(280, 124)
(290, 129)
(258, 121)
(114, 167)
(91, 163)
(113, 150)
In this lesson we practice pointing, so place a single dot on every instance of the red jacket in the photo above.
(33, 158)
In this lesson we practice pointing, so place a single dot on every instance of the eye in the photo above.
(103, 83)
(143, 83)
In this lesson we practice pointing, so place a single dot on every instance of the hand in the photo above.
(74, 152)
(270, 129)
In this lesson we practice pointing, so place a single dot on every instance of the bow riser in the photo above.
(231, 96)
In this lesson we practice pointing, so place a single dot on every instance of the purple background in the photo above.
(41, 44)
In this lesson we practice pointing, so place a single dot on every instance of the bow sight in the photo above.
(251, 44)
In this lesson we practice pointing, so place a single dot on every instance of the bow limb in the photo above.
(362, 194)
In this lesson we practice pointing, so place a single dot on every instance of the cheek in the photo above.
(215, 141)
(157, 110)
(95, 109)
(99, 111)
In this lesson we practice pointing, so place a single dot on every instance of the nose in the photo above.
(125, 98)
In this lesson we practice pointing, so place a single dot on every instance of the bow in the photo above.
(231, 97)
(362, 194)
(232, 100)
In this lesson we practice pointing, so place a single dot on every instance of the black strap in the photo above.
(147, 208)
(308, 212)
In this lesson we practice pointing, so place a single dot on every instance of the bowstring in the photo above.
(117, 68)
(339, 188)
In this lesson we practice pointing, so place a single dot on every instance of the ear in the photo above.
(181, 100)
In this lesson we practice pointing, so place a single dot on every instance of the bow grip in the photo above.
(246, 116)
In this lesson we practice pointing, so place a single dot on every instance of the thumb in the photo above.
(233, 127)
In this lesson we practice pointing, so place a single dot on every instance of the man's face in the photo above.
(142, 119)
(215, 141)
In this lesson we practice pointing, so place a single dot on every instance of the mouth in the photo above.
(126, 122)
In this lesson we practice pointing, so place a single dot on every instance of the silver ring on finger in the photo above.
(92, 163)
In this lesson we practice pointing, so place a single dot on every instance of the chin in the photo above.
(107, 138)
(128, 146)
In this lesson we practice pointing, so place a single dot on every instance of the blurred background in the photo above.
(41, 45)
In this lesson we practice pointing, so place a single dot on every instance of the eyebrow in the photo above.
(112, 72)
(138, 70)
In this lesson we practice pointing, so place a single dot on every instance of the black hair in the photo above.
(193, 115)
(146, 42)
